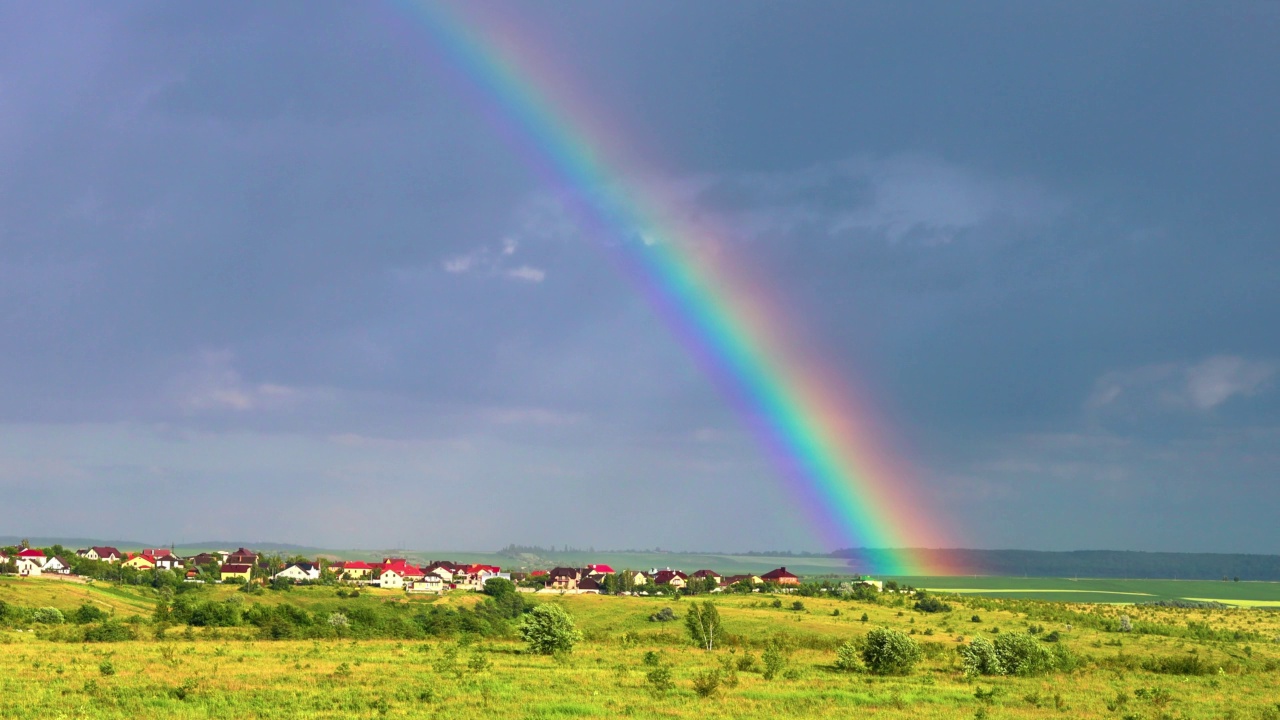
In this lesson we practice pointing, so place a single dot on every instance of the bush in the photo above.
(847, 657)
(1021, 654)
(659, 680)
(890, 652)
(774, 660)
(797, 606)
(549, 629)
(706, 683)
(931, 604)
(979, 658)
(1178, 665)
(88, 613)
(47, 616)
(109, 632)
(663, 615)
(106, 668)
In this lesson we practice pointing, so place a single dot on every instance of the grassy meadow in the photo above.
(1176, 663)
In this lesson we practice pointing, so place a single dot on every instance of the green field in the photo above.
(1106, 590)
(235, 672)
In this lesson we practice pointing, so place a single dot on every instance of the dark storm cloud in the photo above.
(281, 248)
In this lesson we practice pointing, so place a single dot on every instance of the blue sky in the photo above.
(266, 272)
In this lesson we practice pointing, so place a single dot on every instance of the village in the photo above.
(244, 566)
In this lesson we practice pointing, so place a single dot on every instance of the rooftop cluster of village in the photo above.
(438, 576)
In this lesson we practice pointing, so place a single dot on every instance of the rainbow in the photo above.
(856, 494)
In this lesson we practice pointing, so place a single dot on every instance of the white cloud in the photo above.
(525, 272)
(1200, 386)
(493, 262)
(213, 384)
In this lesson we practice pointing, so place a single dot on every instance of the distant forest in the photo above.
(1099, 563)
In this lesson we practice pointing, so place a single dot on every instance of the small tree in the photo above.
(549, 629)
(703, 622)
(890, 652)
(1125, 624)
(979, 658)
(847, 657)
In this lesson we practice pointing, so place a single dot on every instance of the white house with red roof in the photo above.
(30, 562)
(104, 553)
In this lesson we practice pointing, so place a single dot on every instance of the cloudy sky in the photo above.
(276, 272)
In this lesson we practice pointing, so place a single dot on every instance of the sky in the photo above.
(274, 272)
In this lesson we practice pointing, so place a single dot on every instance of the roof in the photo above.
(106, 550)
(588, 584)
(600, 568)
(355, 565)
(31, 553)
(778, 574)
(706, 573)
(565, 572)
(236, 568)
(538, 573)
(663, 577)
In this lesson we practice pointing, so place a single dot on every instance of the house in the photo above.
(442, 571)
(352, 570)
(140, 562)
(242, 557)
(735, 579)
(204, 559)
(589, 585)
(674, 578)
(638, 578)
(163, 558)
(705, 574)
(780, 577)
(57, 565)
(563, 578)
(429, 583)
(102, 553)
(299, 572)
(391, 579)
(236, 571)
(599, 570)
(32, 554)
(194, 576)
(30, 566)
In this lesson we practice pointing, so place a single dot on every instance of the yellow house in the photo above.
(236, 572)
(140, 562)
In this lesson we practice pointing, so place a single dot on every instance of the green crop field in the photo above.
(1105, 590)
(1176, 663)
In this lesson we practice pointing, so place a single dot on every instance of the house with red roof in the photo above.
(599, 569)
(104, 553)
(674, 578)
(352, 570)
(563, 578)
(780, 577)
(240, 572)
(30, 562)
(163, 558)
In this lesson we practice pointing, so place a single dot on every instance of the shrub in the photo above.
(890, 652)
(774, 660)
(847, 657)
(109, 632)
(706, 683)
(797, 606)
(979, 658)
(549, 629)
(106, 668)
(47, 616)
(864, 617)
(1178, 665)
(88, 613)
(659, 680)
(976, 618)
(1125, 624)
(663, 615)
(1021, 654)
(747, 663)
(652, 659)
(931, 604)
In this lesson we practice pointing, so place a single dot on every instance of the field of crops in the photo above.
(1252, 594)
(1184, 663)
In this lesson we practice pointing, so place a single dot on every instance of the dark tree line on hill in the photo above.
(1096, 563)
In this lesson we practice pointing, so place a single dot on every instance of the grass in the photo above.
(1124, 590)
(606, 675)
